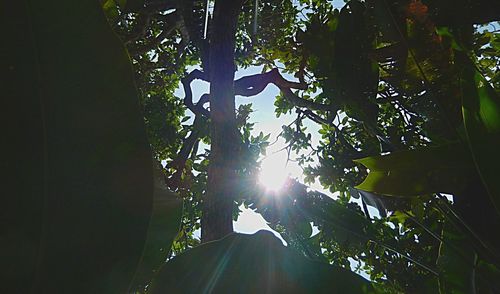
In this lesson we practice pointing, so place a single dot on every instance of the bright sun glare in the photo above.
(273, 173)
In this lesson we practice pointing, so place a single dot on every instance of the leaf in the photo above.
(371, 199)
(354, 76)
(126, 5)
(489, 276)
(455, 262)
(110, 8)
(481, 111)
(163, 227)
(461, 269)
(345, 225)
(75, 157)
(417, 172)
(256, 263)
(132, 5)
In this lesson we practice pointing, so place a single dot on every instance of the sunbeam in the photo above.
(273, 173)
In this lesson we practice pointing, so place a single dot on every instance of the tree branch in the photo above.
(143, 20)
(171, 23)
(179, 163)
(254, 84)
(160, 5)
(181, 25)
(188, 93)
(316, 118)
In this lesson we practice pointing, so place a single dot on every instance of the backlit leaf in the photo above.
(417, 172)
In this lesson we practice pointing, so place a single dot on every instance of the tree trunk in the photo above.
(218, 203)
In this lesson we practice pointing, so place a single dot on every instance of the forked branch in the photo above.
(246, 86)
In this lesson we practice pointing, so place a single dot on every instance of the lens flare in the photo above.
(273, 174)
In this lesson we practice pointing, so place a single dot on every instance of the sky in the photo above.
(275, 166)
(275, 163)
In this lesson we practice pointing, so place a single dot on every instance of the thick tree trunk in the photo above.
(218, 203)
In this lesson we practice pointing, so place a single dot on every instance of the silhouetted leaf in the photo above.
(256, 263)
(76, 163)
(133, 5)
(345, 225)
(163, 227)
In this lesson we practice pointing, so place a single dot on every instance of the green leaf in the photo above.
(256, 263)
(489, 276)
(76, 164)
(445, 32)
(163, 227)
(125, 5)
(110, 8)
(455, 262)
(417, 172)
(461, 269)
(345, 225)
(481, 111)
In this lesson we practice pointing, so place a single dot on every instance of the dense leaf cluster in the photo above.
(382, 76)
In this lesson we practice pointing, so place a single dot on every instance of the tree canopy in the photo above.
(406, 95)
(411, 78)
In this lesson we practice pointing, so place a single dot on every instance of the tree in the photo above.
(400, 78)
(217, 219)
(388, 76)
(223, 124)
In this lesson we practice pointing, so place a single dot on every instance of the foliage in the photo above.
(382, 76)
(76, 162)
(481, 110)
(405, 93)
(447, 169)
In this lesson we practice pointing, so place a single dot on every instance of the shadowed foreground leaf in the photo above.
(76, 164)
(256, 263)
(461, 269)
(481, 111)
(163, 227)
(455, 262)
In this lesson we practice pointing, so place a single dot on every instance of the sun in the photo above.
(273, 174)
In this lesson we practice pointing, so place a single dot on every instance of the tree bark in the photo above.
(218, 202)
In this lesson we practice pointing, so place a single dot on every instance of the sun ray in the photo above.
(273, 173)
